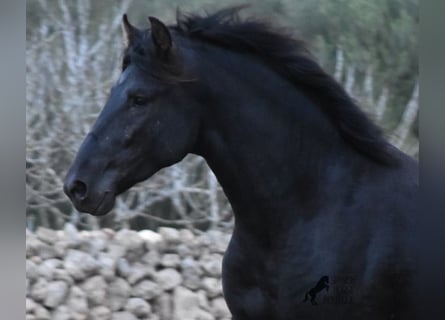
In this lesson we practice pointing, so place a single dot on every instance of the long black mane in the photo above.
(290, 58)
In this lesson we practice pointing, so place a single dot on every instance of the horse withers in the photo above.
(315, 188)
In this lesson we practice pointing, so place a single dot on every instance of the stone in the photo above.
(190, 263)
(146, 289)
(201, 252)
(107, 265)
(186, 236)
(47, 267)
(30, 305)
(134, 245)
(192, 281)
(169, 235)
(55, 294)
(77, 301)
(116, 251)
(203, 315)
(31, 270)
(96, 291)
(36, 259)
(109, 232)
(118, 293)
(41, 313)
(124, 315)
(115, 277)
(164, 303)
(212, 286)
(168, 278)
(212, 264)
(63, 275)
(32, 245)
(85, 246)
(61, 247)
(151, 258)
(151, 239)
(218, 241)
(100, 313)
(79, 316)
(138, 307)
(184, 250)
(71, 236)
(62, 313)
(170, 260)
(140, 272)
(219, 308)
(80, 264)
(203, 300)
(39, 290)
(46, 251)
(191, 273)
(204, 239)
(186, 304)
(98, 241)
(46, 235)
(123, 267)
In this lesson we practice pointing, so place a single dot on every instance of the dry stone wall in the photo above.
(125, 275)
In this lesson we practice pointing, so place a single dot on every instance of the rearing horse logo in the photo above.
(323, 283)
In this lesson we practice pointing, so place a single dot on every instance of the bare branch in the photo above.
(409, 116)
(339, 62)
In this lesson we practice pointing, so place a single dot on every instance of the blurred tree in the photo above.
(378, 37)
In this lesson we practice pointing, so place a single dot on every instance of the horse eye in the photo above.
(140, 100)
(125, 63)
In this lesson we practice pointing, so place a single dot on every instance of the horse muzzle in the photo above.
(87, 199)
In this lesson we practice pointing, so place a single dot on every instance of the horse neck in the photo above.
(272, 150)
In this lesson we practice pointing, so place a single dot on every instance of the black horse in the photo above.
(315, 187)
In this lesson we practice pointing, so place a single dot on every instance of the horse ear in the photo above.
(160, 35)
(128, 30)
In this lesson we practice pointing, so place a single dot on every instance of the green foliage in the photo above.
(379, 33)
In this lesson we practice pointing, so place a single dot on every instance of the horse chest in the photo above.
(282, 285)
(259, 284)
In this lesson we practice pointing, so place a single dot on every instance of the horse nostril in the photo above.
(78, 190)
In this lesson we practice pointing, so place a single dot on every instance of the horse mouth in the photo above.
(105, 205)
